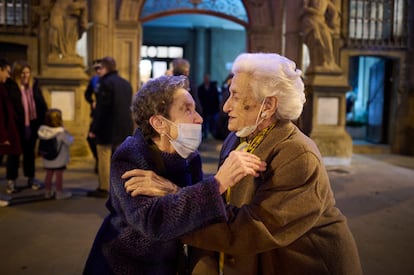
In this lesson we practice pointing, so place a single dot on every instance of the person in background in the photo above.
(139, 236)
(112, 120)
(223, 117)
(53, 128)
(285, 221)
(181, 66)
(9, 136)
(90, 96)
(209, 99)
(30, 107)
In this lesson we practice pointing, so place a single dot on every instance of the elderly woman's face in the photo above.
(183, 110)
(241, 106)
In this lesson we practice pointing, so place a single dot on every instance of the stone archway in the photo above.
(264, 31)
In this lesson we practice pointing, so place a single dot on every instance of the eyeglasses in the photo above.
(97, 68)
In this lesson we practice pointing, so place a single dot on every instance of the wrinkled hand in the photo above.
(147, 183)
(236, 166)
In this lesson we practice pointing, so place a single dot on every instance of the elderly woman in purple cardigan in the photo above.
(140, 234)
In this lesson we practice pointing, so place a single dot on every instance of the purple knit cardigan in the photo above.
(140, 234)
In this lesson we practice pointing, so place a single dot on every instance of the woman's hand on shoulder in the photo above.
(147, 183)
(236, 166)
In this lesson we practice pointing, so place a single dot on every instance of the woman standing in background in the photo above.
(30, 107)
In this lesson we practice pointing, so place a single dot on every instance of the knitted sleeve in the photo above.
(148, 220)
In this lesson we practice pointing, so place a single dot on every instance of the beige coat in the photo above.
(284, 222)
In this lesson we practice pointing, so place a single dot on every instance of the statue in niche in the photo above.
(67, 22)
(319, 24)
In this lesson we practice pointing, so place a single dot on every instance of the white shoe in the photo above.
(35, 184)
(11, 187)
(63, 195)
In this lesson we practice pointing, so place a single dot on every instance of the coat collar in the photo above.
(282, 131)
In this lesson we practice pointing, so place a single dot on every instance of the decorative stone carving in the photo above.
(262, 42)
(319, 23)
(67, 21)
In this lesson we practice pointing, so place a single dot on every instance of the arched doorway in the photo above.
(210, 34)
(209, 43)
(370, 101)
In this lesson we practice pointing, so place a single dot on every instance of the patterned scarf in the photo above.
(29, 105)
(246, 146)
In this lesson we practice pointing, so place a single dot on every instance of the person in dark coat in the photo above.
(209, 99)
(181, 66)
(90, 96)
(30, 107)
(223, 117)
(139, 236)
(9, 136)
(285, 221)
(112, 120)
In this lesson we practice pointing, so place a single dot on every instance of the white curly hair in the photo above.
(271, 74)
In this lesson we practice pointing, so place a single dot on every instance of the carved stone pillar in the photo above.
(324, 116)
(99, 37)
(97, 42)
(262, 30)
(127, 43)
(200, 56)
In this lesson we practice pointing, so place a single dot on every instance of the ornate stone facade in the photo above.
(114, 28)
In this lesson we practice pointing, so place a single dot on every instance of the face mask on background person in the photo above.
(248, 130)
(188, 138)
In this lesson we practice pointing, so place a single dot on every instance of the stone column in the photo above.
(201, 56)
(99, 38)
(127, 42)
(324, 119)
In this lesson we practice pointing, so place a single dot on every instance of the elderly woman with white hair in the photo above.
(285, 221)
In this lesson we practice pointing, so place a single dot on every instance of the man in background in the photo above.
(112, 121)
(182, 66)
(90, 96)
(209, 99)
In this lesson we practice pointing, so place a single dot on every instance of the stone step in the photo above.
(364, 147)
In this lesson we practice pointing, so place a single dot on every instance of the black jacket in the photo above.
(112, 120)
(16, 99)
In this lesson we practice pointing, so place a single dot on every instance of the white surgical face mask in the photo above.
(188, 138)
(248, 130)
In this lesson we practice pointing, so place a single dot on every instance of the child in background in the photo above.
(53, 127)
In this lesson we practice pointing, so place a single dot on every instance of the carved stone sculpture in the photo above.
(67, 21)
(319, 22)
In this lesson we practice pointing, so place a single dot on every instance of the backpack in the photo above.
(49, 148)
